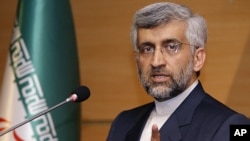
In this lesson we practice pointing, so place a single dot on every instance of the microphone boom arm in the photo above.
(36, 116)
(78, 95)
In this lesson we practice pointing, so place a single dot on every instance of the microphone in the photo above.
(78, 95)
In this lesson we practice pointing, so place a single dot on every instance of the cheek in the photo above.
(140, 62)
(179, 64)
(143, 66)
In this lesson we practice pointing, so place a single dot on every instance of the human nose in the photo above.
(158, 59)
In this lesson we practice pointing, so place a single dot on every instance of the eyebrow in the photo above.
(145, 44)
(170, 40)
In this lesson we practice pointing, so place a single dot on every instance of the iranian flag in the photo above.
(41, 71)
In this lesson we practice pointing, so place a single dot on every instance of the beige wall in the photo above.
(107, 64)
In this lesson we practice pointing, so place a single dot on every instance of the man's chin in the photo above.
(160, 87)
(159, 92)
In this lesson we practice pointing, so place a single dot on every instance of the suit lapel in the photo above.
(135, 133)
(176, 126)
(170, 130)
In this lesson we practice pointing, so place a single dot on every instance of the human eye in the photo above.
(171, 46)
(146, 49)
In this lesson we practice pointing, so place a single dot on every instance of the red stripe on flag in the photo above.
(16, 137)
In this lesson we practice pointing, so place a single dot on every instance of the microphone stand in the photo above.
(36, 116)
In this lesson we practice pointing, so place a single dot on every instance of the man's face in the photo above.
(164, 71)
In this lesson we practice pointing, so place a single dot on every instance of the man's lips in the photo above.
(159, 77)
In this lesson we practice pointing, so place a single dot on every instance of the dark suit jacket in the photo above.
(199, 118)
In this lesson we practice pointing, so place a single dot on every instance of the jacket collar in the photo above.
(183, 115)
(140, 120)
(171, 130)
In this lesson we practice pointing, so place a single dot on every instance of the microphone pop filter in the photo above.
(82, 93)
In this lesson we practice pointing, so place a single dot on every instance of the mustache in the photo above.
(159, 71)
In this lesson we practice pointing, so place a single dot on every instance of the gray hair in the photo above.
(160, 13)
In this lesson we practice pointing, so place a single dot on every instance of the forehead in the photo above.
(172, 30)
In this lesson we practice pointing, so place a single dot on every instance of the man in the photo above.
(169, 43)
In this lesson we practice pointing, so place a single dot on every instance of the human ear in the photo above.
(199, 59)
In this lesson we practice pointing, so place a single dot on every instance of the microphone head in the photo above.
(82, 93)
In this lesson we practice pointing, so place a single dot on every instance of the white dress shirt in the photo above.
(163, 110)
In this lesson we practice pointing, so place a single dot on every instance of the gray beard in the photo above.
(167, 90)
